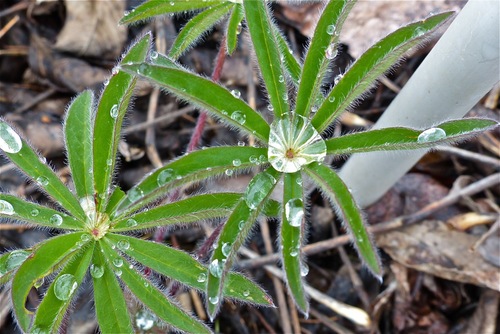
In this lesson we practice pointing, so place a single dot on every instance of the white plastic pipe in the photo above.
(461, 68)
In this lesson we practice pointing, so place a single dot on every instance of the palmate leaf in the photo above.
(44, 258)
(109, 118)
(152, 297)
(390, 139)
(340, 197)
(325, 40)
(268, 55)
(206, 95)
(183, 268)
(14, 208)
(197, 26)
(374, 62)
(152, 8)
(78, 134)
(34, 166)
(57, 299)
(110, 304)
(292, 220)
(192, 167)
(234, 233)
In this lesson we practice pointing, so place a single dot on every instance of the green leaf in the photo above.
(43, 260)
(197, 26)
(206, 95)
(233, 29)
(50, 313)
(22, 155)
(374, 62)
(290, 63)
(12, 207)
(268, 55)
(234, 233)
(78, 135)
(189, 210)
(292, 223)
(154, 299)
(181, 267)
(153, 8)
(110, 304)
(390, 139)
(325, 40)
(192, 167)
(339, 195)
(115, 199)
(109, 118)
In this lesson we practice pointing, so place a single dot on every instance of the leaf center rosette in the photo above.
(293, 143)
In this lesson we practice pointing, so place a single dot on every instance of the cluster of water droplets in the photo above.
(293, 143)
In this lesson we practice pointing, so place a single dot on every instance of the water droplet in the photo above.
(241, 224)
(430, 135)
(144, 69)
(262, 159)
(299, 181)
(419, 31)
(331, 98)
(294, 212)
(64, 286)
(330, 29)
(113, 112)
(239, 117)
(216, 268)
(202, 278)
(42, 180)
(118, 272)
(109, 162)
(106, 82)
(304, 269)
(214, 300)
(15, 259)
(294, 251)
(226, 249)
(39, 282)
(154, 55)
(281, 78)
(114, 71)
(331, 51)
(165, 176)
(6, 208)
(258, 189)
(135, 194)
(236, 93)
(85, 237)
(241, 143)
(96, 271)
(34, 212)
(270, 107)
(246, 293)
(39, 330)
(131, 222)
(118, 262)
(253, 159)
(56, 220)
(10, 142)
(123, 245)
(285, 96)
(236, 162)
(293, 143)
(228, 172)
(145, 320)
(337, 78)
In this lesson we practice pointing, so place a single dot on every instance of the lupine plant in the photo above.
(296, 143)
(95, 217)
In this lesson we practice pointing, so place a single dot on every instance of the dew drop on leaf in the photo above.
(6, 208)
(39, 330)
(15, 259)
(236, 162)
(202, 278)
(214, 300)
(241, 143)
(294, 251)
(42, 180)
(34, 212)
(294, 212)
(430, 135)
(56, 220)
(246, 293)
(337, 78)
(154, 55)
(331, 51)
(131, 222)
(96, 271)
(123, 245)
(118, 272)
(113, 112)
(330, 29)
(239, 117)
(304, 269)
(258, 189)
(281, 78)
(165, 176)
(253, 159)
(228, 172)
(10, 141)
(236, 93)
(226, 249)
(135, 194)
(64, 286)
(85, 237)
(144, 320)
(114, 71)
(216, 268)
(331, 98)
(39, 282)
(419, 31)
(118, 262)
(241, 224)
(144, 69)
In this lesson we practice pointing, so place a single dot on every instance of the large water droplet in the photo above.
(226, 249)
(6, 208)
(145, 320)
(430, 135)
(96, 271)
(144, 69)
(258, 189)
(165, 176)
(56, 220)
(216, 268)
(239, 117)
(131, 222)
(214, 300)
(330, 29)
(10, 141)
(135, 194)
(42, 180)
(202, 278)
(64, 286)
(123, 245)
(15, 259)
(294, 143)
(294, 212)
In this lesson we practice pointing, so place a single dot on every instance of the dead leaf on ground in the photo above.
(432, 247)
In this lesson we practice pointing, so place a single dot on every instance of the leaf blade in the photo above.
(233, 29)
